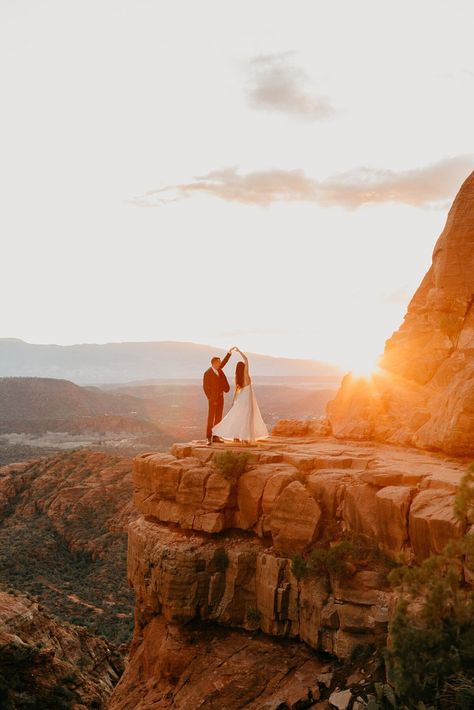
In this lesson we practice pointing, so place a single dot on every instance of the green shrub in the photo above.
(333, 560)
(432, 631)
(231, 465)
(299, 566)
(343, 558)
(430, 660)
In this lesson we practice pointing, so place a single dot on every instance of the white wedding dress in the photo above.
(243, 421)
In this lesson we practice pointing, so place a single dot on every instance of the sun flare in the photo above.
(363, 365)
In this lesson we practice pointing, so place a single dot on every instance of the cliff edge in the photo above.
(216, 560)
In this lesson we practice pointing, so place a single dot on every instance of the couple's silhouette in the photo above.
(243, 422)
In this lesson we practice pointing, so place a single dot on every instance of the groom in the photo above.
(215, 384)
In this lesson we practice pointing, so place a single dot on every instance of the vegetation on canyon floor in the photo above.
(73, 562)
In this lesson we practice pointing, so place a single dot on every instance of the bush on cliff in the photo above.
(432, 632)
(231, 465)
(431, 654)
(299, 566)
(340, 558)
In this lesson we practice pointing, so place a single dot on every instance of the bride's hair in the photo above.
(239, 374)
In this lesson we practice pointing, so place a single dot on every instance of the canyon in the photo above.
(48, 664)
(63, 537)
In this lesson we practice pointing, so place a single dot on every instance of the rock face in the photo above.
(195, 667)
(46, 664)
(210, 561)
(291, 491)
(63, 523)
(424, 394)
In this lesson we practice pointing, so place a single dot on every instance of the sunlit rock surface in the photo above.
(210, 561)
(292, 488)
(424, 393)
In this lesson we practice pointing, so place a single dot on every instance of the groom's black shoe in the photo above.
(218, 439)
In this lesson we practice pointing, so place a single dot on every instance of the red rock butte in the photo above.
(424, 393)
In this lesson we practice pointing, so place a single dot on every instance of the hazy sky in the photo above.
(262, 173)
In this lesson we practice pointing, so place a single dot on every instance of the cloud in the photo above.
(274, 83)
(429, 186)
(399, 296)
(426, 186)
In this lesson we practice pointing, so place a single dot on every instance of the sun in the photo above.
(361, 364)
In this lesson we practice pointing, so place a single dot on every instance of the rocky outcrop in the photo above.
(212, 562)
(291, 491)
(44, 663)
(424, 392)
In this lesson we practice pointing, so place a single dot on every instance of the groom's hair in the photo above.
(215, 360)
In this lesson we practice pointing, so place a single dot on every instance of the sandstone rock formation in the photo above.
(291, 491)
(210, 561)
(193, 666)
(424, 393)
(46, 664)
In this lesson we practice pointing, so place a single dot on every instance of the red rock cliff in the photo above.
(210, 563)
(424, 394)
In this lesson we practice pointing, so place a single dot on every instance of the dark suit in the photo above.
(214, 386)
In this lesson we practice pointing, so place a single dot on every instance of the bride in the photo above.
(243, 422)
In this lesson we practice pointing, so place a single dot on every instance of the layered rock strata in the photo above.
(424, 392)
(290, 492)
(210, 554)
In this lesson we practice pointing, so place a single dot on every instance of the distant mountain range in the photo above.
(34, 398)
(136, 361)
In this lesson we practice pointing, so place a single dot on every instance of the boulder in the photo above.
(249, 496)
(363, 587)
(392, 505)
(192, 485)
(294, 521)
(328, 489)
(340, 699)
(432, 523)
(279, 477)
(360, 509)
(218, 492)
